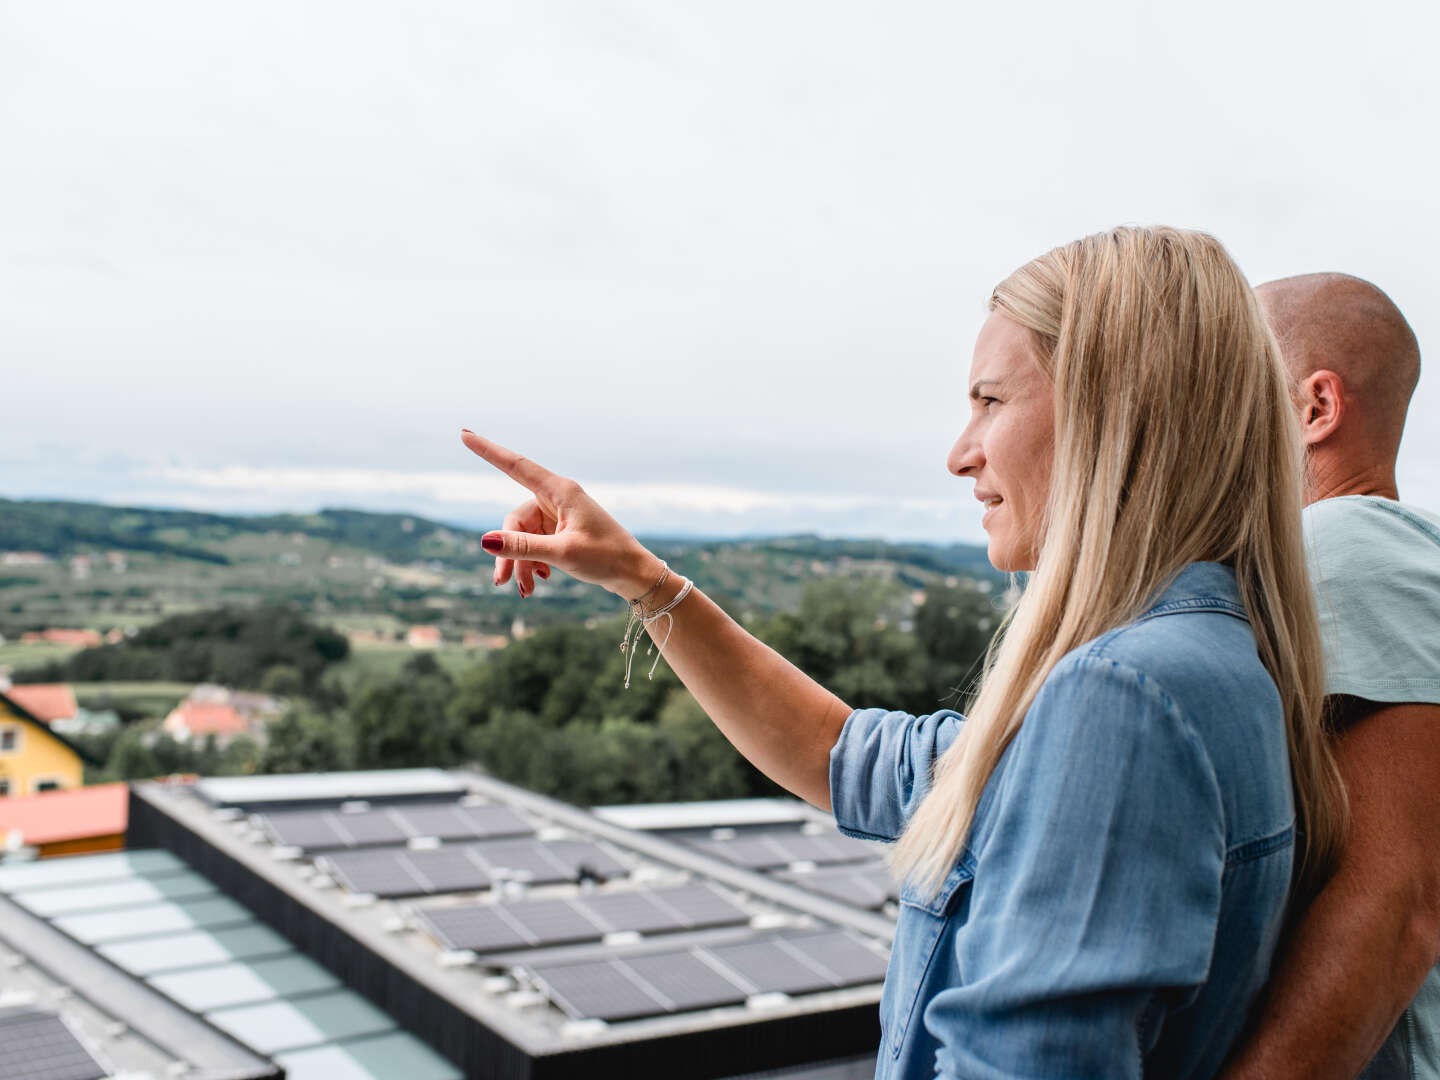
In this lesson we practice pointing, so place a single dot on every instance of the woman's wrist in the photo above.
(642, 571)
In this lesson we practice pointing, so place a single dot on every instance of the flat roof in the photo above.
(166, 932)
(259, 791)
(526, 991)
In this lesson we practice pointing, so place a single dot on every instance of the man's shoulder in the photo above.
(1370, 518)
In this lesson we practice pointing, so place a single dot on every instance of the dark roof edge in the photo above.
(143, 1010)
(658, 847)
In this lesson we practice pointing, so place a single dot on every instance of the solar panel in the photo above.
(699, 977)
(370, 827)
(685, 981)
(836, 952)
(330, 830)
(635, 910)
(442, 822)
(699, 905)
(37, 1045)
(463, 822)
(495, 821)
(863, 886)
(446, 869)
(769, 851)
(602, 990)
(311, 830)
(588, 858)
(481, 927)
(554, 922)
(381, 873)
(766, 966)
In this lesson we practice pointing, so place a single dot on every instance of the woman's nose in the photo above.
(965, 456)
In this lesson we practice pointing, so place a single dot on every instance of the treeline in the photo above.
(267, 648)
(550, 712)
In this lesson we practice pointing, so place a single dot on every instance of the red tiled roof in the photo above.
(74, 814)
(206, 719)
(45, 701)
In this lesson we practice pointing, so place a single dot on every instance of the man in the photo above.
(1357, 981)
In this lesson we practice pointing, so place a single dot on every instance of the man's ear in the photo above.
(1322, 406)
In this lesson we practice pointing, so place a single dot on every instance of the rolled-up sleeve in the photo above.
(880, 768)
(1097, 892)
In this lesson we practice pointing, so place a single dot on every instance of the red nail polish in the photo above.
(493, 543)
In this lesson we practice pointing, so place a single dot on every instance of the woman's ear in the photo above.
(1322, 406)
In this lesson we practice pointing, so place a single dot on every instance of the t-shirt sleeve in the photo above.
(880, 768)
(1375, 568)
(1096, 895)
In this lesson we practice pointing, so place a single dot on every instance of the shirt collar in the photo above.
(1200, 586)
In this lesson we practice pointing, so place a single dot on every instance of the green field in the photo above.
(149, 698)
(386, 661)
(15, 656)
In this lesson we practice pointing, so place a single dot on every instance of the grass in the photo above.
(15, 656)
(386, 661)
(148, 698)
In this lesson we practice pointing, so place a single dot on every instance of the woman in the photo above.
(1095, 863)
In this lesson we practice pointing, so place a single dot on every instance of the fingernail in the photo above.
(543, 573)
(493, 543)
(497, 577)
(521, 588)
(466, 431)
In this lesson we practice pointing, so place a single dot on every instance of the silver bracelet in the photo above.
(639, 621)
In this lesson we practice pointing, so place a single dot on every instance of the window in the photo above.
(9, 739)
(4, 786)
(49, 783)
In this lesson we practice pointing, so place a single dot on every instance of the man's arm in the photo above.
(1353, 960)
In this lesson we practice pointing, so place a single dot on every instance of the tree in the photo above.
(305, 739)
(843, 637)
(407, 721)
(953, 628)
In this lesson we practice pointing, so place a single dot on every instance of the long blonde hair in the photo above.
(1174, 443)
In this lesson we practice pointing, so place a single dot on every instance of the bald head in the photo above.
(1338, 323)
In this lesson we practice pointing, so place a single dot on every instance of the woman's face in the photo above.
(1009, 445)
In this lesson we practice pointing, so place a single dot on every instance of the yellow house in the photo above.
(32, 757)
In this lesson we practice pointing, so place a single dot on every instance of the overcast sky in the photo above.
(722, 262)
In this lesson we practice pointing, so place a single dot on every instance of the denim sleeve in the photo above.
(1096, 896)
(880, 768)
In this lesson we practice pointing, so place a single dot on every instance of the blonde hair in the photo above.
(1174, 443)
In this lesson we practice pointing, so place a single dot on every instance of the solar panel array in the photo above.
(538, 923)
(774, 850)
(392, 872)
(703, 977)
(331, 830)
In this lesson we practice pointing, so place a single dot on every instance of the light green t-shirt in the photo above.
(1375, 565)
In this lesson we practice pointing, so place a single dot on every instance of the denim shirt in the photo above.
(1115, 909)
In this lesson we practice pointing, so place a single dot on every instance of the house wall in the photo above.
(83, 846)
(38, 756)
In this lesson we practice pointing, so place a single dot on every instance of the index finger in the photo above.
(519, 468)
